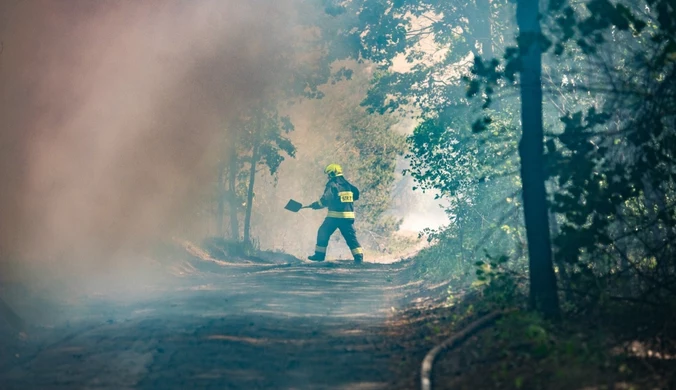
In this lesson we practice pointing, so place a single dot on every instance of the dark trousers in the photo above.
(346, 227)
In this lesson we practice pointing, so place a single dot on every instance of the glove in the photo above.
(315, 206)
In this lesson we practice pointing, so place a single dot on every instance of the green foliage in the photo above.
(443, 262)
(611, 175)
(475, 173)
(476, 233)
(612, 162)
(389, 30)
(500, 285)
(522, 350)
(610, 140)
(446, 156)
(609, 76)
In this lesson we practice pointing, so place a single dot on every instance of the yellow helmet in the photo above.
(333, 170)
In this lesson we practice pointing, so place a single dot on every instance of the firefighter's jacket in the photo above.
(339, 197)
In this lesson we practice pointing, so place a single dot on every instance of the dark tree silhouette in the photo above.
(543, 294)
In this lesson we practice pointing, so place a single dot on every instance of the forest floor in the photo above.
(280, 324)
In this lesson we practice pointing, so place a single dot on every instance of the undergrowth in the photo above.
(612, 346)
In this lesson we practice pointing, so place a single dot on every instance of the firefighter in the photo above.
(338, 197)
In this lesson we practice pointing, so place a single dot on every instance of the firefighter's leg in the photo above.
(323, 235)
(350, 235)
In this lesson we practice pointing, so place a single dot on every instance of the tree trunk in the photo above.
(250, 195)
(543, 293)
(232, 194)
(220, 212)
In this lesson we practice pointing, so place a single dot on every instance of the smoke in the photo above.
(418, 210)
(114, 116)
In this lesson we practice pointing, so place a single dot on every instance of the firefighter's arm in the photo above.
(323, 201)
(355, 192)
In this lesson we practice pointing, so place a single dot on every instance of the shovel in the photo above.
(294, 206)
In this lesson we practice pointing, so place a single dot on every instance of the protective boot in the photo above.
(318, 256)
(358, 258)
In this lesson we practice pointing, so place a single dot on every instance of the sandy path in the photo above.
(303, 326)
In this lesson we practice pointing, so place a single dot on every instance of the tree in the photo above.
(268, 139)
(543, 290)
(261, 140)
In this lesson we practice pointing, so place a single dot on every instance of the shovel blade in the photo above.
(293, 206)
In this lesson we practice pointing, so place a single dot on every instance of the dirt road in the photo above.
(294, 326)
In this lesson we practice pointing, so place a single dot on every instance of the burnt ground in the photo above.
(286, 326)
